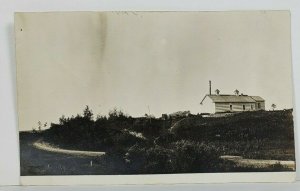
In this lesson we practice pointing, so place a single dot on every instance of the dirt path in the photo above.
(240, 161)
(46, 147)
(136, 134)
(176, 124)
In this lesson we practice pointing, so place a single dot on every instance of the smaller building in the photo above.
(216, 103)
(179, 114)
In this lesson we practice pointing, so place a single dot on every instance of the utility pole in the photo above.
(209, 87)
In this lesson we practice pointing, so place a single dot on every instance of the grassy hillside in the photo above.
(172, 145)
(259, 134)
(258, 125)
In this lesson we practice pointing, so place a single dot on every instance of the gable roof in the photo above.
(233, 99)
(257, 98)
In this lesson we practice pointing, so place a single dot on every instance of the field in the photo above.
(184, 144)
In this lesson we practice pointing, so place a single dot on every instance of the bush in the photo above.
(116, 114)
(195, 157)
(179, 157)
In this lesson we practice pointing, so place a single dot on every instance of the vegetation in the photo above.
(178, 157)
(173, 144)
(259, 134)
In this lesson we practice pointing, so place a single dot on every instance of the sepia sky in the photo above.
(132, 60)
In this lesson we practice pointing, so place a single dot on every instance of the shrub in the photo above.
(116, 114)
(149, 159)
(193, 156)
(179, 157)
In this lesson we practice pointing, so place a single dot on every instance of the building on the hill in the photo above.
(179, 114)
(216, 103)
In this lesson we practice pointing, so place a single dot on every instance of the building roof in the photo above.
(257, 98)
(233, 98)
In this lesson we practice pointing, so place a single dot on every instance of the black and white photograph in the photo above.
(139, 93)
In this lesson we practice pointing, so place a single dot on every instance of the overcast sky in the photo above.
(134, 60)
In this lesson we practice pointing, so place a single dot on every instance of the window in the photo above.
(230, 107)
(244, 107)
(258, 105)
(251, 107)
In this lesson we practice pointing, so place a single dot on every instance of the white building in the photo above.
(216, 103)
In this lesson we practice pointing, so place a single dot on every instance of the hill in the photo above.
(259, 134)
(180, 144)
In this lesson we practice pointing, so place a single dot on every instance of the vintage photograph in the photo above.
(135, 93)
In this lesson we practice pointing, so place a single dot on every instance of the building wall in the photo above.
(262, 105)
(207, 106)
(225, 107)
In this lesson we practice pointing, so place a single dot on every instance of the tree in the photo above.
(101, 117)
(33, 130)
(88, 113)
(62, 120)
(217, 91)
(273, 106)
(39, 125)
(116, 114)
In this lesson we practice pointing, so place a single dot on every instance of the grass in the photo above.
(258, 135)
(190, 144)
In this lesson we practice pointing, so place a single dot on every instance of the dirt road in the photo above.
(257, 163)
(46, 147)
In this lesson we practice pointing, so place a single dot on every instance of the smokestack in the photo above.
(209, 87)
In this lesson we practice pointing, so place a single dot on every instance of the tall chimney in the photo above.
(209, 87)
